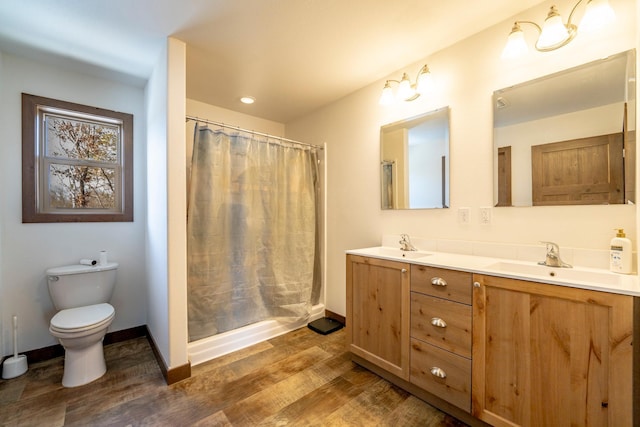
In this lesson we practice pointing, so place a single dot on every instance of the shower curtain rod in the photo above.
(292, 141)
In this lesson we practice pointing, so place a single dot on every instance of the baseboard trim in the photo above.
(172, 375)
(53, 351)
(335, 316)
(125, 334)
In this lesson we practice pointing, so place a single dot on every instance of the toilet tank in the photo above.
(80, 285)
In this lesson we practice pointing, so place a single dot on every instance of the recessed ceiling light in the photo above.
(247, 100)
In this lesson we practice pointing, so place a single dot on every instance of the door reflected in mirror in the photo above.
(414, 163)
(568, 138)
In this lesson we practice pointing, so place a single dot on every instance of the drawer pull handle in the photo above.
(436, 321)
(437, 372)
(438, 281)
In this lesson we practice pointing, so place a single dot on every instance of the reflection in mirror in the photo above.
(415, 162)
(567, 138)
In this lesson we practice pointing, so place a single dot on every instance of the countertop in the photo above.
(576, 277)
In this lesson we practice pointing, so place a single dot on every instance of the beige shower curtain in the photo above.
(252, 232)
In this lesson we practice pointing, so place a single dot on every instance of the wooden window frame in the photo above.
(33, 158)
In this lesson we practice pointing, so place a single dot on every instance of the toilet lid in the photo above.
(82, 317)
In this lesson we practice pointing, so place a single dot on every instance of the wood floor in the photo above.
(299, 379)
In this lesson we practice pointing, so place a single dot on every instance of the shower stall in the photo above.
(254, 238)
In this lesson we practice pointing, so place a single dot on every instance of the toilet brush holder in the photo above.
(15, 365)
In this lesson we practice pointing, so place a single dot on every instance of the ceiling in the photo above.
(293, 56)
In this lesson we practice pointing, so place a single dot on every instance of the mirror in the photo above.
(414, 162)
(567, 138)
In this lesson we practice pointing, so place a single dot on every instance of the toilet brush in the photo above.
(17, 364)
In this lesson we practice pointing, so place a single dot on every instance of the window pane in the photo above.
(82, 187)
(77, 139)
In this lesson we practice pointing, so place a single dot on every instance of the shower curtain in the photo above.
(252, 232)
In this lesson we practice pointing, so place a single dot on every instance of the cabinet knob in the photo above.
(404, 270)
(438, 281)
(476, 284)
(436, 321)
(437, 372)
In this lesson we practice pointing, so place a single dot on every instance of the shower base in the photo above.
(218, 345)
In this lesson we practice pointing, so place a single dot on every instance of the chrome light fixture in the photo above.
(407, 91)
(554, 33)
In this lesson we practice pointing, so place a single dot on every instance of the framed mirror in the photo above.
(568, 138)
(414, 162)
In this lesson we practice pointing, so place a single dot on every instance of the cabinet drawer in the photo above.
(442, 283)
(429, 363)
(441, 322)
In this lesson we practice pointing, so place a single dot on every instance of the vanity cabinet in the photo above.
(378, 312)
(495, 350)
(441, 333)
(550, 355)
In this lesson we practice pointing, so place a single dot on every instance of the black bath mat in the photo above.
(325, 325)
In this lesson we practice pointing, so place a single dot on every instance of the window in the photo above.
(77, 162)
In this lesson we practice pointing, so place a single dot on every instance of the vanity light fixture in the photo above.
(407, 91)
(554, 33)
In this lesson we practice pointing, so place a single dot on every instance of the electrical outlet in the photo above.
(464, 216)
(485, 215)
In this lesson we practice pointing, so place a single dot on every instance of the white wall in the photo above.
(205, 111)
(27, 250)
(177, 202)
(2, 298)
(156, 236)
(466, 74)
(166, 229)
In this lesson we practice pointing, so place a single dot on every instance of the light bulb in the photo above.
(598, 14)
(554, 32)
(425, 81)
(405, 91)
(516, 45)
(386, 98)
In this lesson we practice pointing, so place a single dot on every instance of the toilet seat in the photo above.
(81, 319)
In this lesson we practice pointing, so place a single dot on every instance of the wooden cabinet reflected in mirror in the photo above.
(568, 138)
(581, 171)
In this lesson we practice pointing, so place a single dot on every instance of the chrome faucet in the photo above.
(405, 243)
(553, 256)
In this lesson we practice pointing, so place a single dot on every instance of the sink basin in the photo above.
(583, 275)
(387, 252)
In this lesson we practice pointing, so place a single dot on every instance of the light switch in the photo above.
(485, 216)
(464, 215)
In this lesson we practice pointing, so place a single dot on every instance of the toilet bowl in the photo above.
(81, 294)
(81, 331)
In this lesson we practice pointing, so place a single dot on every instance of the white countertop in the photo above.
(578, 277)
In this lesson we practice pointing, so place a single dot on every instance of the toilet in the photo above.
(81, 294)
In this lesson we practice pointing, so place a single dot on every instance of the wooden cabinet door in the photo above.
(586, 171)
(378, 312)
(546, 355)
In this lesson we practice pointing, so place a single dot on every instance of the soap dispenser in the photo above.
(620, 253)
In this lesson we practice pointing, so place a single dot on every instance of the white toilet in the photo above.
(81, 294)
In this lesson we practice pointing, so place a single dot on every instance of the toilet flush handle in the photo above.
(54, 278)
